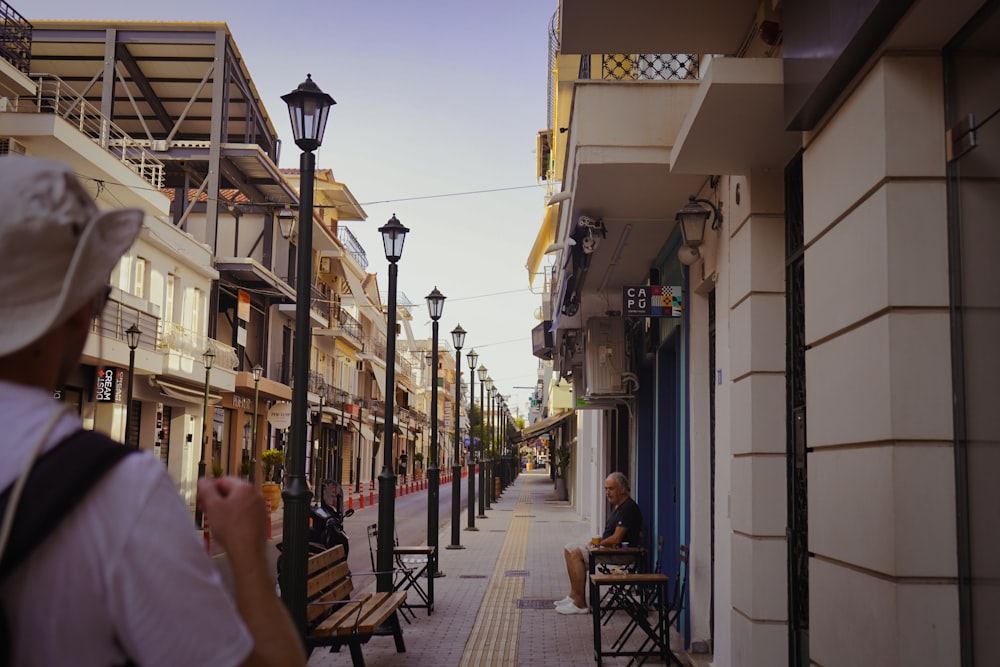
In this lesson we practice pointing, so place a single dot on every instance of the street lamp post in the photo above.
(133, 333)
(458, 340)
(393, 235)
(208, 358)
(435, 306)
(491, 466)
(308, 110)
(258, 371)
(473, 358)
(484, 500)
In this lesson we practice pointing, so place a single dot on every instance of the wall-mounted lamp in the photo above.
(692, 219)
(286, 222)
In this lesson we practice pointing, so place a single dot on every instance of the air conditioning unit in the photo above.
(12, 146)
(605, 363)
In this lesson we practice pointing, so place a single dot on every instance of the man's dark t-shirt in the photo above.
(629, 515)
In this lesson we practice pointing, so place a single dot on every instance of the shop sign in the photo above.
(652, 301)
(280, 414)
(110, 381)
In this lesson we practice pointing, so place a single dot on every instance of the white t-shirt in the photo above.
(124, 576)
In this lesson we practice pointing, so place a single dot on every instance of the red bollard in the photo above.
(350, 500)
(361, 499)
(371, 497)
(206, 534)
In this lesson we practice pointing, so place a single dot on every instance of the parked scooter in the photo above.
(326, 527)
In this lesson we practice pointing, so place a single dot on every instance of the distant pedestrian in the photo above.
(623, 525)
(124, 578)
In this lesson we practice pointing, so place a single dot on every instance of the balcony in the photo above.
(352, 246)
(15, 38)
(55, 97)
(118, 316)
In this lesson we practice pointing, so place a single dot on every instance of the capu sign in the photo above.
(652, 301)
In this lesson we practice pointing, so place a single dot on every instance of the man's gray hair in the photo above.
(621, 480)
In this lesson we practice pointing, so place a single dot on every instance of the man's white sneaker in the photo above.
(565, 601)
(572, 609)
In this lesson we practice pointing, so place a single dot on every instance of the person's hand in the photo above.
(235, 512)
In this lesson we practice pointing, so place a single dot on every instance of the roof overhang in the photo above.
(736, 120)
(246, 271)
(668, 26)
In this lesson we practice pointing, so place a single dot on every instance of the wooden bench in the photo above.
(334, 618)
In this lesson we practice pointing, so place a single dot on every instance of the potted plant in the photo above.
(272, 459)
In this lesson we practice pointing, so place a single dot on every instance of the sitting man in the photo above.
(622, 526)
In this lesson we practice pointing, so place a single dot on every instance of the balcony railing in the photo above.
(347, 323)
(56, 96)
(15, 38)
(352, 246)
(642, 67)
(118, 317)
(190, 344)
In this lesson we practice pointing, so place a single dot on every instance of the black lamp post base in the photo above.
(471, 528)
(455, 546)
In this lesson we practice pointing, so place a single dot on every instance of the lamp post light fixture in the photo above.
(132, 334)
(258, 372)
(208, 358)
(393, 236)
(691, 219)
(435, 307)
(484, 499)
(473, 357)
(286, 222)
(308, 109)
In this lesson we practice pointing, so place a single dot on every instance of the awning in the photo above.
(545, 425)
(360, 298)
(186, 394)
(367, 433)
(379, 378)
(546, 237)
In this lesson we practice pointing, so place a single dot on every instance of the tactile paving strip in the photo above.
(494, 637)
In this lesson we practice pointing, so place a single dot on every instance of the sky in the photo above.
(434, 98)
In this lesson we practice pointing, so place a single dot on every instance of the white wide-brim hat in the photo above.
(57, 249)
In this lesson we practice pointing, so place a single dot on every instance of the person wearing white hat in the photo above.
(124, 577)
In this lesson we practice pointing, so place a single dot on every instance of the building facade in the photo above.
(807, 408)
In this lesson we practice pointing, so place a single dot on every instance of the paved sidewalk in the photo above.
(494, 606)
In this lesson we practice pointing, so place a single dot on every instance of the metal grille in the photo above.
(798, 487)
(535, 604)
(515, 573)
(473, 576)
(648, 66)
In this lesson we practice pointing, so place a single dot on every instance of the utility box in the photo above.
(605, 361)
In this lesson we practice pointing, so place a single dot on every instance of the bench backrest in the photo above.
(329, 582)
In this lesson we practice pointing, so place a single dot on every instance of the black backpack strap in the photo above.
(58, 481)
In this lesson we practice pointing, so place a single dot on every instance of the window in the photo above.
(168, 298)
(139, 279)
(192, 310)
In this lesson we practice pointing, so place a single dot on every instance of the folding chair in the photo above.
(403, 577)
(674, 606)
